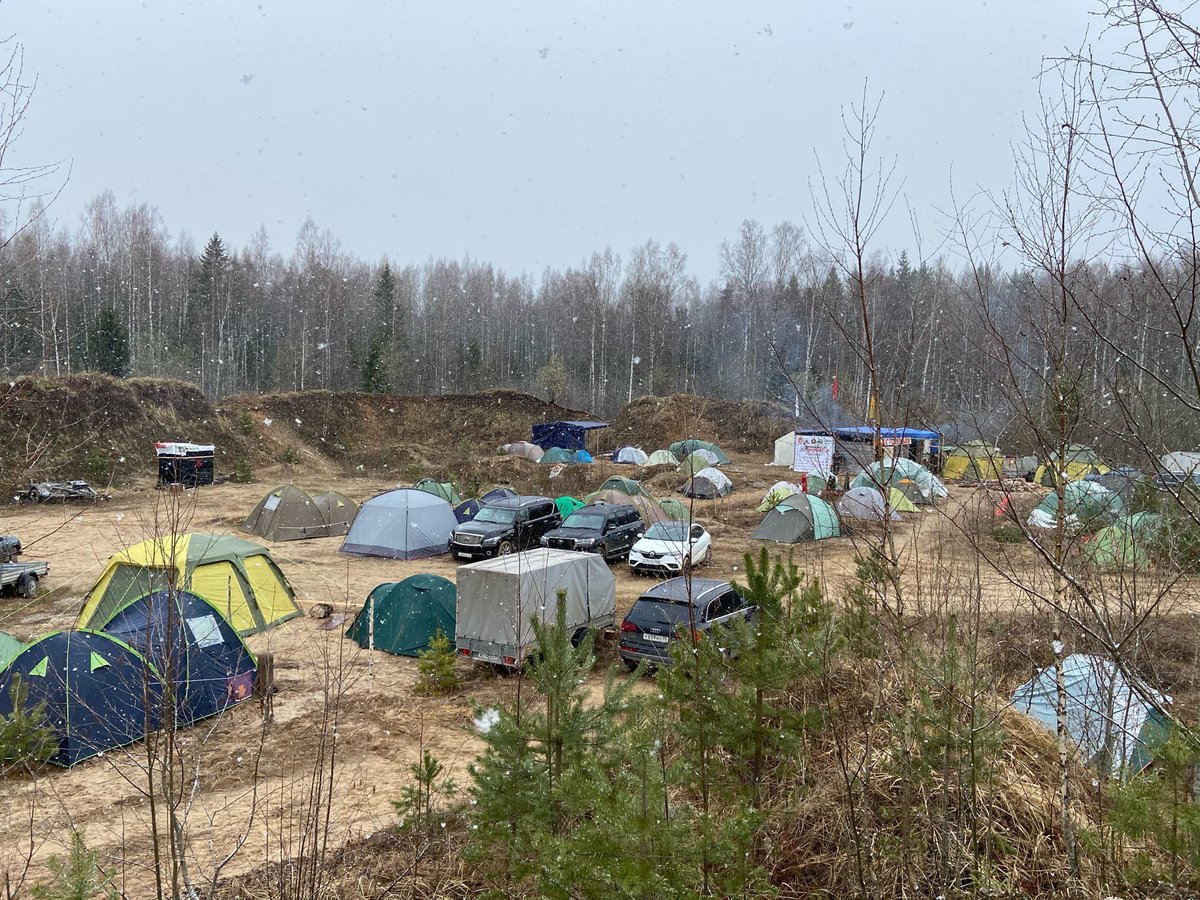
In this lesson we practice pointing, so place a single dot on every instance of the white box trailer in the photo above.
(498, 598)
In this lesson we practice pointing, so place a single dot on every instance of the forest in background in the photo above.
(121, 294)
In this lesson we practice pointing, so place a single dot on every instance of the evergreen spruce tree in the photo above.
(373, 376)
(209, 278)
(110, 340)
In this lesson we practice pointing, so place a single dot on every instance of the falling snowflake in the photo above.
(487, 720)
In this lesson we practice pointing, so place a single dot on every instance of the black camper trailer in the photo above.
(190, 465)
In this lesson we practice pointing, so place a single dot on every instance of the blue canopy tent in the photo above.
(568, 435)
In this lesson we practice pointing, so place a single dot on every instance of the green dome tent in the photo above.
(1089, 505)
(10, 648)
(624, 485)
(675, 509)
(443, 489)
(683, 449)
(1117, 547)
(567, 505)
(800, 517)
(661, 458)
(777, 493)
(693, 464)
(406, 615)
(557, 455)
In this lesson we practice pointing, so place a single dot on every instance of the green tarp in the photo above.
(567, 505)
(10, 649)
(407, 615)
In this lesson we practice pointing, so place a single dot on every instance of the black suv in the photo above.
(609, 530)
(505, 526)
(670, 609)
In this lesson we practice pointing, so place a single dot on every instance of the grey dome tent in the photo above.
(288, 513)
(863, 503)
(403, 617)
(633, 456)
(799, 517)
(401, 524)
(707, 484)
(684, 449)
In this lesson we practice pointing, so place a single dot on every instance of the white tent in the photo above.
(1181, 463)
(631, 455)
(785, 450)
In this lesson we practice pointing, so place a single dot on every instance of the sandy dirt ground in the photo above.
(253, 780)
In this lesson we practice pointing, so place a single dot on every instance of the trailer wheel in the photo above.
(27, 585)
(32, 495)
(579, 635)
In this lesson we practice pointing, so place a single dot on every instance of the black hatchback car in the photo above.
(505, 526)
(669, 610)
(609, 530)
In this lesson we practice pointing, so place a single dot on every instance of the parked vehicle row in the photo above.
(612, 531)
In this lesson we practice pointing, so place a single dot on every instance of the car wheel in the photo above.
(630, 664)
(504, 549)
(578, 636)
(28, 585)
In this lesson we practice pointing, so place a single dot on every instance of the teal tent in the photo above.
(557, 455)
(800, 517)
(1089, 507)
(407, 615)
(567, 505)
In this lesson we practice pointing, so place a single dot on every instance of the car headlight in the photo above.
(491, 542)
(544, 541)
(587, 542)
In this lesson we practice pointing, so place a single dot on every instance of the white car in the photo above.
(671, 548)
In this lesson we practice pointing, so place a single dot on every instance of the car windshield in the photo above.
(667, 531)
(494, 515)
(661, 612)
(592, 521)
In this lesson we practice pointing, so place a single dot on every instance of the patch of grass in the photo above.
(1008, 534)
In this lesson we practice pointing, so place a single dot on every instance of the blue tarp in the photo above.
(568, 435)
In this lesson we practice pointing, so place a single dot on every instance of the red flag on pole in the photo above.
(833, 388)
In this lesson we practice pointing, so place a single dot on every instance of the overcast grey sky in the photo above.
(528, 134)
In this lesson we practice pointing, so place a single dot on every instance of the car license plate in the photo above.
(462, 555)
(655, 638)
(487, 657)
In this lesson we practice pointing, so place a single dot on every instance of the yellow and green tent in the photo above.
(237, 577)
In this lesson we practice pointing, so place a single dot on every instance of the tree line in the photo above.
(120, 294)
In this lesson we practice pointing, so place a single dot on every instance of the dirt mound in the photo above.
(97, 427)
(654, 422)
(384, 430)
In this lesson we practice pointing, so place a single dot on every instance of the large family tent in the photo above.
(662, 458)
(865, 504)
(707, 484)
(288, 513)
(684, 449)
(799, 517)
(97, 693)
(1103, 711)
(443, 489)
(193, 648)
(632, 456)
(779, 491)
(237, 577)
(401, 524)
(338, 509)
(567, 505)
(675, 509)
(1080, 462)
(625, 486)
(1089, 505)
(402, 617)
(524, 449)
(556, 455)
(10, 648)
(974, 461)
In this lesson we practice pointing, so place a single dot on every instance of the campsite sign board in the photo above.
(814, 453)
